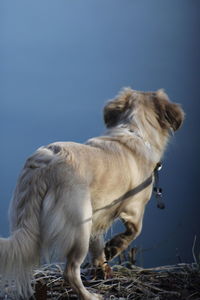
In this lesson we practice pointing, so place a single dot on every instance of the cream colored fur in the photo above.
(63, 199)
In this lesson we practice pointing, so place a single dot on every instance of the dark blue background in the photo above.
(61, 60)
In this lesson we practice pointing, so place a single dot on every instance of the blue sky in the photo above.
(60, 62)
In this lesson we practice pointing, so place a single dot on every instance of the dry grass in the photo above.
(181, 281)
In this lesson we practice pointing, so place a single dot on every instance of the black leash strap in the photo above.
(157, 190)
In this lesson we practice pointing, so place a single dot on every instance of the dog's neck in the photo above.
(122, 130)
(134, 139)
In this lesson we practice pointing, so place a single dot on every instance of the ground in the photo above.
(181, 281)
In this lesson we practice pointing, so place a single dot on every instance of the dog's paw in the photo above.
(107, 270)
(96, 297)
(101, 272)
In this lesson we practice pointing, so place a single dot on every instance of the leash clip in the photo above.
(158, 195)
(158, 167)
(157, 190)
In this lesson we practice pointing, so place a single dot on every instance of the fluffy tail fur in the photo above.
(21, 251)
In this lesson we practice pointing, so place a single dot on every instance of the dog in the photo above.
(69, 194)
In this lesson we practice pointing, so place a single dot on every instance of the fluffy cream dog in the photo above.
(68, 194)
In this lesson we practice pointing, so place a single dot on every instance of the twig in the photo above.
(193, 247)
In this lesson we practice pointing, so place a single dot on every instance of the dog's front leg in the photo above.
(101, 267)
(121, 241)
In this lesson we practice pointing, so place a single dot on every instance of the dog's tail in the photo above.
(20, 252)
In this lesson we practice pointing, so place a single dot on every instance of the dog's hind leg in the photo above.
(101, 267)
(75, 258)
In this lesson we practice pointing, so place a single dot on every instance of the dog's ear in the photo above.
(111, 114)
(170, 115)
(117, 108)
(174, 115)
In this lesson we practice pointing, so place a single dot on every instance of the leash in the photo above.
(158, 190)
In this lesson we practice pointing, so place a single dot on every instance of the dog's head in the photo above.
(152, 107)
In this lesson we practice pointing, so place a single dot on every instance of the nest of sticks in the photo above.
(181, 281)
